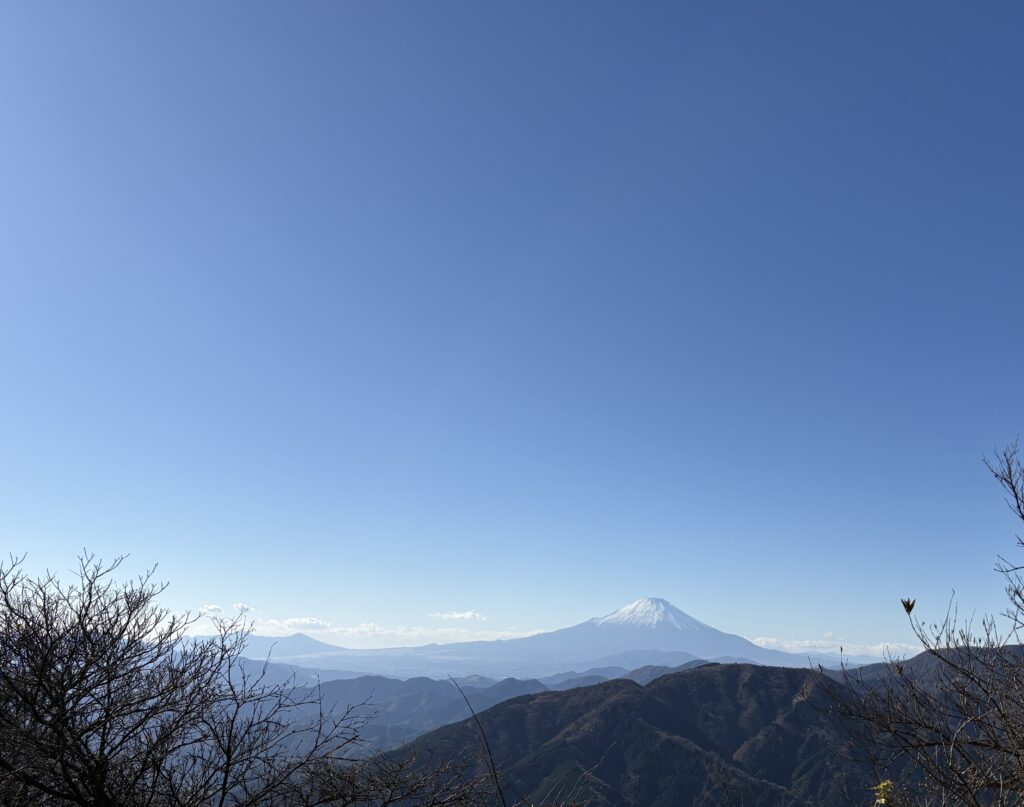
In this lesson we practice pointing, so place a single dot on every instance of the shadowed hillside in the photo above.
(404, 710)
(706, 736)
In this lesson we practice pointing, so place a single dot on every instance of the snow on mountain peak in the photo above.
(650, 612)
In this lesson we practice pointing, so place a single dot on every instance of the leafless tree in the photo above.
(106, 701)
(949, 724)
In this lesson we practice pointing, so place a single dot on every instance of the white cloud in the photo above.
(308, 622)
(283, 627)
(211, 609)
(419, 633)
(241, 606)
(466, 615)
(830, 643)
(372, 634)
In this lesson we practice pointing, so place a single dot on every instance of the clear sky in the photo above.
(371, 314)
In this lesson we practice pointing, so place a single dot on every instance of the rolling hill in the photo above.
(711, 735)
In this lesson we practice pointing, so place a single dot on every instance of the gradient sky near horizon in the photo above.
(408, 322)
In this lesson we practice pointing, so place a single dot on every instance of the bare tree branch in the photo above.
(106, 701)
(949, 724)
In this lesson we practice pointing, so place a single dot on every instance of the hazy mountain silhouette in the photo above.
(403, 710)
(649, 631)
(644, 675)
(285, 647)
(604, 673)
(276, 673)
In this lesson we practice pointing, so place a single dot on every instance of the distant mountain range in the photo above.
(401, 711)
(649, 631)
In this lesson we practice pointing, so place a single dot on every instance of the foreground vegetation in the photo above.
(105, 701)
(949, 726)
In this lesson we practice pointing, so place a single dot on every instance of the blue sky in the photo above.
(372, 314)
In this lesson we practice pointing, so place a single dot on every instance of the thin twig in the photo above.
(483, 737)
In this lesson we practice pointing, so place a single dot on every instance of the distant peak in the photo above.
(649, 612)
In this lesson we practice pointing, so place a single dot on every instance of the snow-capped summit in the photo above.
(650, 612)
(648, 631)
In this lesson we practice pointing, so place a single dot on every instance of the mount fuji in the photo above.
(649, 631)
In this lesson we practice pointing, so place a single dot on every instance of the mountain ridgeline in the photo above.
(708, 736)
(649, 631)
(399, 711)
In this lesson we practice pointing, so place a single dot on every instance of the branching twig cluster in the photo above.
(106, 701)
(952, 720)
